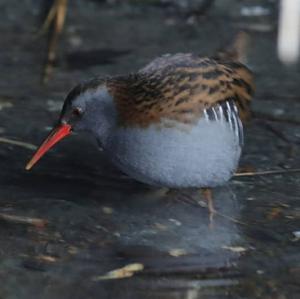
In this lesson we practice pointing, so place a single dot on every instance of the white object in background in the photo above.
(289, 31)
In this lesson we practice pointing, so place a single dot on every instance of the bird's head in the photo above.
(88, 107)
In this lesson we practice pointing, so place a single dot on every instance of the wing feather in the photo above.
(180, 87)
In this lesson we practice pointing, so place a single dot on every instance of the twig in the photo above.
(18, 143)
(191, 201)
(265, 116)
(23, 220)
(281, 136)
(56, 15)
(276, 132)
(124, 272)
(231, 218)
(266, 172)
(49, 19)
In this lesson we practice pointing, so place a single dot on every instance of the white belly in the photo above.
(204, 155)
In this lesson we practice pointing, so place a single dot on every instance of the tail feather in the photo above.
(235, 54)
(237, 49)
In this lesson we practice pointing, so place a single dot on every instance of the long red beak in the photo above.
(56, 135)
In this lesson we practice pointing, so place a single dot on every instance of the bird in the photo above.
(175, 123)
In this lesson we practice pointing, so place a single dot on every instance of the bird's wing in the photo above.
(180, 87)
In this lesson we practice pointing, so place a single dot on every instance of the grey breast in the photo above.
(202, 155)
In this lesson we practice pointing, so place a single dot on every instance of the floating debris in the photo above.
(160, 227)
(54, 106)
(125, 272)
(73, 250)
(177, 252)
(236, 249)
(4, 105)
(260, 272)
(296, 235)
(18, 143)
(175, 221)
(37, 222)
(46, 258)
(107, 210)
(254, 11)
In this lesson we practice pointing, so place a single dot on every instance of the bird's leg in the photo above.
(207, 193)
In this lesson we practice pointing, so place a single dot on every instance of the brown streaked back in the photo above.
(179, 87)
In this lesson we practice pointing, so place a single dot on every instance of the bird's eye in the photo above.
(77, 111)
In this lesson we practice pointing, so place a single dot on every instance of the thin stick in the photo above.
(49, 19)
(18, 143)
(265, 116)
(266, 172)
(23, 220)
(196, 203)
(57, 15)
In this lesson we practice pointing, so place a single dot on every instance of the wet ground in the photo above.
(98, 219)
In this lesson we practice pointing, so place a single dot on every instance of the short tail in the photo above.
(237, 49)
(235, 54)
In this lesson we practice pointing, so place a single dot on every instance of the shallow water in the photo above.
(100, 220)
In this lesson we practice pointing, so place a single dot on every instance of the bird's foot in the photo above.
(207, 193)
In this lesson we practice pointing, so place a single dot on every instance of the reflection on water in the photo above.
(100, 220)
